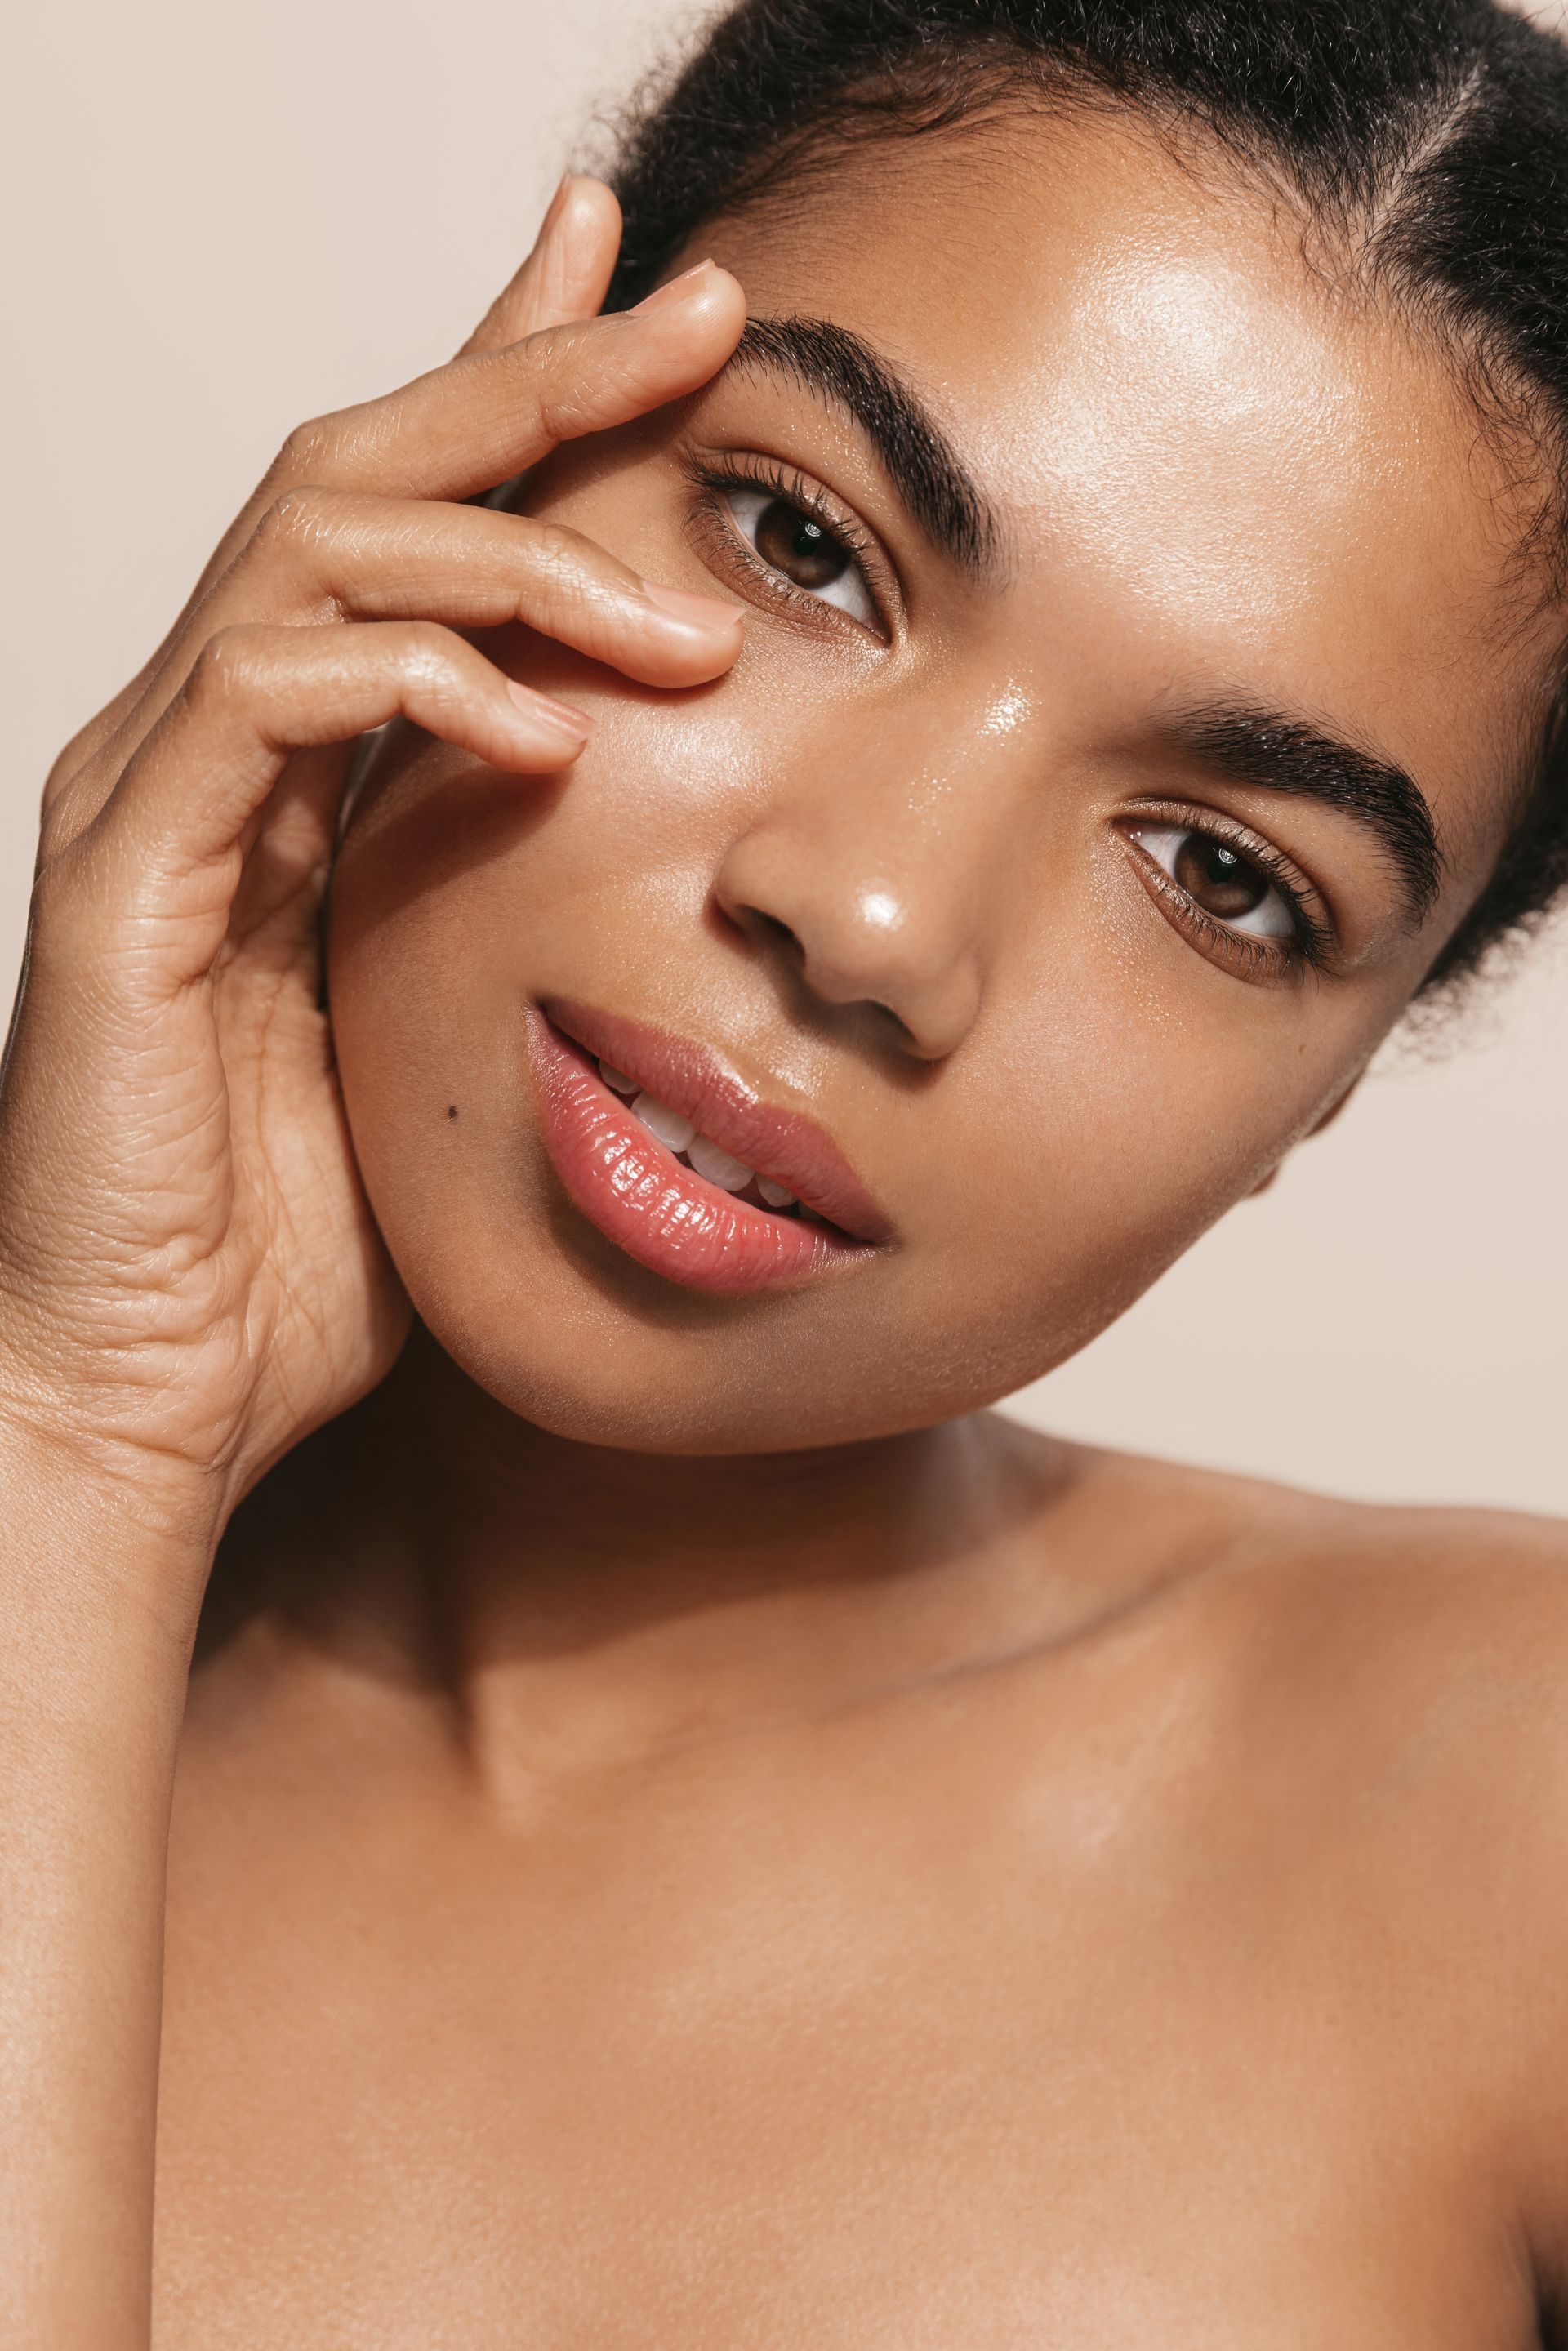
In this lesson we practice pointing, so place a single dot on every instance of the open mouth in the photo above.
(700, 1152)
(678, 1161)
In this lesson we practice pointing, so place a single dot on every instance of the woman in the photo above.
(1023, 637)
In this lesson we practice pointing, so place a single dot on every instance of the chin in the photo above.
(617, 1378)
(692, 1398)
(568, 1334)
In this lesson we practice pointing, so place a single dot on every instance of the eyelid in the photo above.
(748, 470)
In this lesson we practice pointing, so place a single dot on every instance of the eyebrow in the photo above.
(1276, 754)
(841, 367)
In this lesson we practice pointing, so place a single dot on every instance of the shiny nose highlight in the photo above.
(869, 942)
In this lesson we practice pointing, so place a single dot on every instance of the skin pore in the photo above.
(688, 1829)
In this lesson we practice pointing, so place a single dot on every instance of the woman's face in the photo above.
(1055, 850)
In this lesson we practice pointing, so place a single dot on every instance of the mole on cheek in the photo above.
(451, 1110)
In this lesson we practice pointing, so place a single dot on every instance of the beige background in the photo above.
(226, 218)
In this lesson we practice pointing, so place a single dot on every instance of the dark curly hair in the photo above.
(1430, 137)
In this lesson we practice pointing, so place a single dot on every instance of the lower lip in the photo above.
(661, 1212)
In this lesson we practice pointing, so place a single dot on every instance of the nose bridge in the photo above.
(877, 874)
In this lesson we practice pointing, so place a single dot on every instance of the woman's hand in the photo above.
(189, 1279)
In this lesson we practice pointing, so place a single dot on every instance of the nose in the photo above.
(859, 926)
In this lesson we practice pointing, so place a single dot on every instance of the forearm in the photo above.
(98, 1600)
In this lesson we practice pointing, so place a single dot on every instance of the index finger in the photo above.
(489, 414)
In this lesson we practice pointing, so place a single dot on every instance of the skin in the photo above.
(685, 1827)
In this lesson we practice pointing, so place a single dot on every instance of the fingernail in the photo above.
(549, 713)
(698, 612)
(674, 290)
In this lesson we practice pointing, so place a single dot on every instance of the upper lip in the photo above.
(784, 1145)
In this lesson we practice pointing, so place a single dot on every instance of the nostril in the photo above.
(769, 927)
(772, 932)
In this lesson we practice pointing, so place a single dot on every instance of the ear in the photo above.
(1327, 1120)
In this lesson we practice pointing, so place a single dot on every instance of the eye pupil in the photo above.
(792, 543)
(1223, 883)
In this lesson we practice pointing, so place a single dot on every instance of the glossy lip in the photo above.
(660, 1211)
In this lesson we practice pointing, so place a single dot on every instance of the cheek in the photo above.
(1113, 1107)
(462, 870)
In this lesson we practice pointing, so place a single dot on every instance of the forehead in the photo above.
(1206, 454)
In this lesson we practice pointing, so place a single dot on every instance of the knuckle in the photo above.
(567, 411)
(554, 548)
(566, 373)
(585, 383)
(562, 560)
(430, 666)
(560, 554)
(307, 451)
(564, 350)
(296, 520)
(226, 665)
(426, 652)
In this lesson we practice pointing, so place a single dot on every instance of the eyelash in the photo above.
(763, 474)
(1253, 956)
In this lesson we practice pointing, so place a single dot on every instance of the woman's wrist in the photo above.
(104, 1553)
(94, 1525)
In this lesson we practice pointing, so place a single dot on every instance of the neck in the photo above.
(576, 1593)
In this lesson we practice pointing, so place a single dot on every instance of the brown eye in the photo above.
(802, 550)
(792, 543)
(1228, 888)
(1224, 884)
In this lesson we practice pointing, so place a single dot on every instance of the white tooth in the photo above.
(667, 1124)
(733, 1174)
(774, 1193)
(617, 1079)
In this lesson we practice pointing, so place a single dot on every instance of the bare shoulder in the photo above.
(1435, 1571)
(1425, 1596)
(1397, 1626)
(1382, 1702)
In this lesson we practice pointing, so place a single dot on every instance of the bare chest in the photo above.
(853, 2066)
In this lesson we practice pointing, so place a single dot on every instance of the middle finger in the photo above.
(330, 555)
